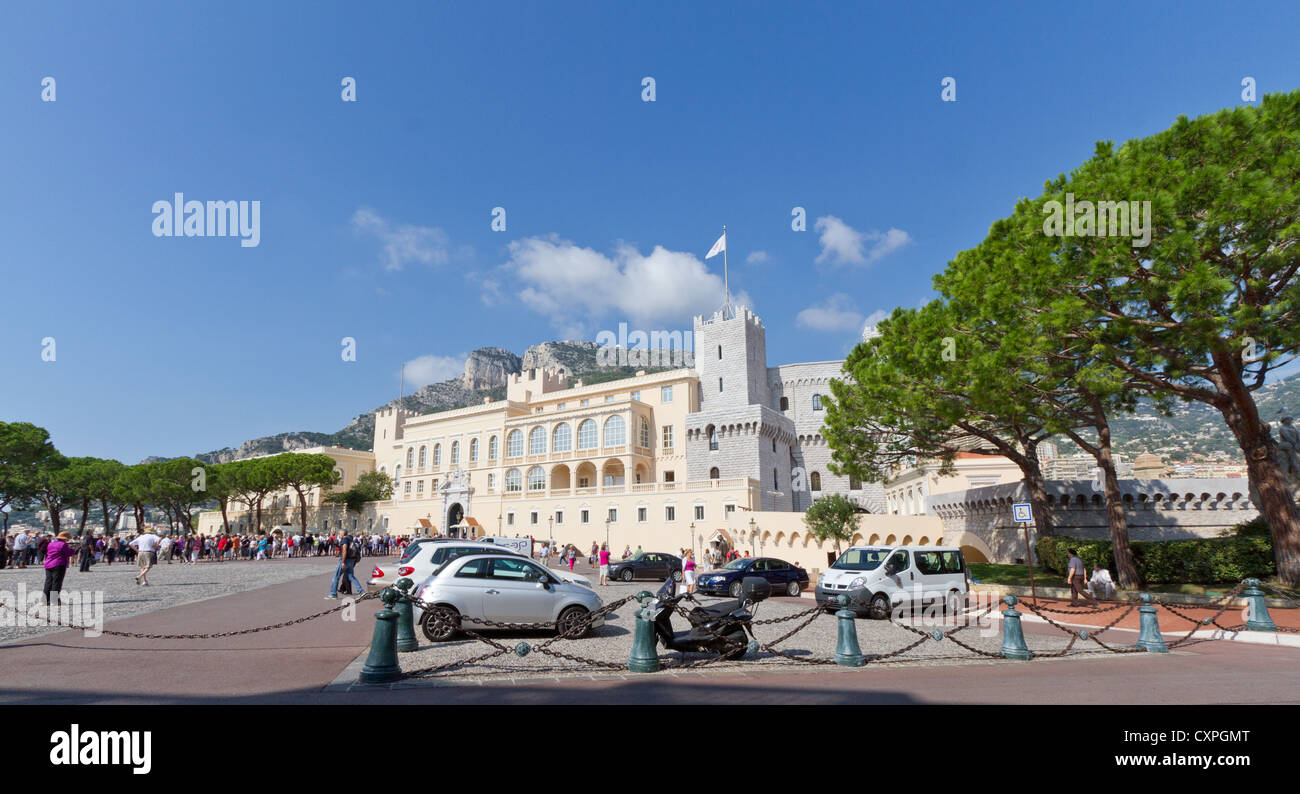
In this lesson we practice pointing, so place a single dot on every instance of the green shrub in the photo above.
(1255, 528)
(1197, 561)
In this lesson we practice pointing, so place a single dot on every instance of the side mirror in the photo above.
(543, 584)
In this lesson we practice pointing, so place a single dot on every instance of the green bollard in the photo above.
(381, 665)
(1013, 635)
(645, 657)
(1257, 618)
(847, 651)
(1150, 637)
(406, 641)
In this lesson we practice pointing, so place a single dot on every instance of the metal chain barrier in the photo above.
(213, 635)
(1198, 623)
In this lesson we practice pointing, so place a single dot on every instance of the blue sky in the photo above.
(376, 214)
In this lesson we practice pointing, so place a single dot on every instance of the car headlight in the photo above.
(860, 581)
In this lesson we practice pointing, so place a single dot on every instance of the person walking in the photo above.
(349, 554)
(146, 546)
(627, 552)
(573, 556)
(1076, 581)
(688, 572)
(604, 563)
(86, 554)
(57, 555)
(21, 541)
(165, 548)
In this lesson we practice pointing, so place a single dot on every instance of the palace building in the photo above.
(678, 454)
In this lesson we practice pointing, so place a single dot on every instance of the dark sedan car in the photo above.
(785, 578)
(647, 565)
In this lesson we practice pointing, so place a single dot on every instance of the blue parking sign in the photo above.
(1022, 512)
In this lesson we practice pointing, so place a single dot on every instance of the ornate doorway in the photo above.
(455, 514)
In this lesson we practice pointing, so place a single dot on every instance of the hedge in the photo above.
(1199, 561)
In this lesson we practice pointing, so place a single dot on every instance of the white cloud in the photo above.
(433, 369)
(756, 258)
(404, 243)
(837, 313)
(578, 287)
(844, 245)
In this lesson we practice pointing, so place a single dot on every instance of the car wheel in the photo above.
(440, 624)
(626, 575)
(879, 609)
(569, 619)
(677, 576)
(952, 605)
(735, 589)
(793, 588)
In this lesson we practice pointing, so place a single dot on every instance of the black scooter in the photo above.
(721, 628)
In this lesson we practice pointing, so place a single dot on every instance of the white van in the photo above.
(893, 576)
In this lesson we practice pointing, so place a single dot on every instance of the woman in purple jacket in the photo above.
(57, 555)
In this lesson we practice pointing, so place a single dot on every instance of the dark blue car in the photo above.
(786, 578)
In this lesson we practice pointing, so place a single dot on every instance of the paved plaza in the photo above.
(170, 585)
(317, 661)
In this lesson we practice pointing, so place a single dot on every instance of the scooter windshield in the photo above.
(668, 590)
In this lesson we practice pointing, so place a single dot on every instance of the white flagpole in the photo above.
(726, 282)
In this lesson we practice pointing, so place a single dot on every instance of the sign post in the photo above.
(1023, 513)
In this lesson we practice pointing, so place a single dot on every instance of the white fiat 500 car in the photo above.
(502, 587)
(426, 555)
(893, 576)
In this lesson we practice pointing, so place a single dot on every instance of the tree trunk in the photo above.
(225, 522)
(103, 503)
(302, 509)
(85, 511)
(1116, 521)
(1275, 502)
(259, 516)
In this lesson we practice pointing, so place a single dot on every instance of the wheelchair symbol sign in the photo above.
(1022, 512)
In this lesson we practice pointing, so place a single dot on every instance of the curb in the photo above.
(1278, 639)
(1127, 595)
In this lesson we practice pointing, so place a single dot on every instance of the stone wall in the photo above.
(1163, 509)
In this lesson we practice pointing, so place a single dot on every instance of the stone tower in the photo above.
(734, 432)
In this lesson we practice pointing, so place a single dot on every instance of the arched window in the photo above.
(492, 448)
(817, 402)
(615, 431)
(397, 474)
(423, 455)
(587, 434)
(854, 483)
(816, 481)
(437, 454)
(492, 481)
(514, 481)
(644, 439)
(514, 443)
(536, 479)
(473, 450)
(712, 433)
(455, 452)
(410, 457)
(562, 438)
(713, 473)
(537, 441)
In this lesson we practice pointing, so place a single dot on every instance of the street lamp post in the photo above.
(752, 532)
(692, 536)
(498, 524)
(550, 525)
(607, 532)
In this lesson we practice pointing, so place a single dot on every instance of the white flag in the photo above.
(718, 247)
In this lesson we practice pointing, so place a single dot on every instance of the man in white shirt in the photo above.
(165, 548)
(146, 543)
(21, 541)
